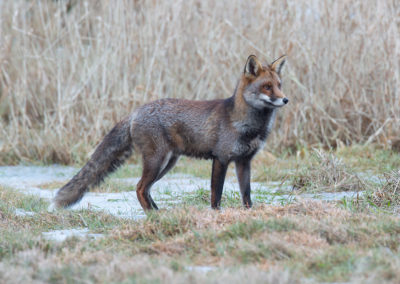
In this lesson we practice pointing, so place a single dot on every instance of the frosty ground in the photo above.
(35, 180)
(318, 219)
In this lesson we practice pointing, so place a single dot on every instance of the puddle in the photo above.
(165, 192)
(19, 176)
(326, 196)
(186, 183)
(202, 269)
(333, 196)
(62, 235)
(370, 177)
(22, 212)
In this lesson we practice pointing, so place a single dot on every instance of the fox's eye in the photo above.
(279, 86)
(268, 87)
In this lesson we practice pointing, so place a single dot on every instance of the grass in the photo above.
(314, 171)
(353, 240)
(309, 241)
(370, 158)
(194, 167)
(346, 162)
(327, 173)
(70, 69)
(387, 194)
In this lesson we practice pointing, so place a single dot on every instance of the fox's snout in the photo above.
(278, 102)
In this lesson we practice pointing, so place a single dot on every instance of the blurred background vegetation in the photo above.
(69, 70)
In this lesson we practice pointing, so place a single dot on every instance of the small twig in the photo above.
(372, 137)
(83, 220)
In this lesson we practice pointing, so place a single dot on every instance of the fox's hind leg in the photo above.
(171, 163)
(149, 176)
(154, 168)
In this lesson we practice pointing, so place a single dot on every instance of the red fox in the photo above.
(225, 130)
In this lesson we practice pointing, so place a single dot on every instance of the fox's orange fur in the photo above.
(228, 130)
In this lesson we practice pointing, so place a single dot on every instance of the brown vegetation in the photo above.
(327, 172)
(388, 194)
(69, 72)
(304, 242)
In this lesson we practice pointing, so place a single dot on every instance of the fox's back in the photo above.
(190, 127)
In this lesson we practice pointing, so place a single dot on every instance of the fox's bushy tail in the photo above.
(112, 152)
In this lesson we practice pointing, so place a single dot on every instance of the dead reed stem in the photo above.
(70, 69)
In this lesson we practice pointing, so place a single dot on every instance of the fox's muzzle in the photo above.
(278, 102)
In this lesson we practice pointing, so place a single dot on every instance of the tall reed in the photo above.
(71, 69)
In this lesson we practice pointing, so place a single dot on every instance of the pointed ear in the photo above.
(278, 64)
(253, 67)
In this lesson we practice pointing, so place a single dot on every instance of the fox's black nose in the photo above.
(285, 100)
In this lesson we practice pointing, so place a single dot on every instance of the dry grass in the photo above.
(327, 172)
(69, 72)
(388, 194)
(97, 267)
(304, 242)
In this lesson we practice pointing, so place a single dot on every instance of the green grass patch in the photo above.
(335, 264)
(352, 240)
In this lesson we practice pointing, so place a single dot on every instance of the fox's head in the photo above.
(262, 84)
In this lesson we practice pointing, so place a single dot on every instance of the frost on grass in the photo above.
(75, 266)
(22, 212)
(388, 194)
(62, 235)
(167, 192)
(328, 173)
(300, 242)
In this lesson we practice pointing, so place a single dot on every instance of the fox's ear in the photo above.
(278, 64)
(253, 67)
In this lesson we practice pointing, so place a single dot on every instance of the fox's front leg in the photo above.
(217, 182)
(243, 175)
